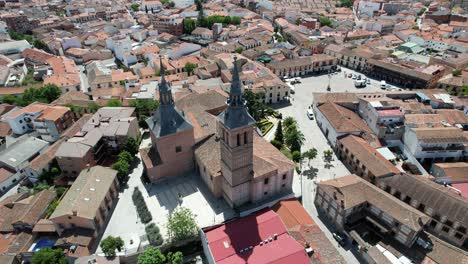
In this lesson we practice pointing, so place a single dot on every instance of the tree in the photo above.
(151, 255)
(110, 244)
(296, 156)
(171, 4)
(39, 44)
(325, 21)
(131, 145)
(276, 144)
(456, 73)
(294, 139)
(135, 7)
(9, 99)
(50, 92)
(239, 50)
(327, 154)
(175, 258)
(122, 168)
(93, 107)
(144, 106)
(279, 132)
(235, 20)
(289, 122)
(126, 156)
(298, 21)
(49, 256)
(310, 154)
(189, 25)
(190, 67)
(181, 224)
(114, 103)
(346, 3)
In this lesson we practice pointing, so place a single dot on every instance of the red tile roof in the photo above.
(227, 241)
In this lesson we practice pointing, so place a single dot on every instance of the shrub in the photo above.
(276, 143)
(154, 237)
(296, 156)
(141, 207)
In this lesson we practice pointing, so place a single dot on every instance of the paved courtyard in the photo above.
(162, 198)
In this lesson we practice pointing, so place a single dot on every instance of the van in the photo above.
(360, 83)
(383, 85)
(310, 114)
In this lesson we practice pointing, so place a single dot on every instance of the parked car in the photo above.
(359, 77)
(354, 76)
(340, 238)
(368, 81)
(310, 114)
(350, 75)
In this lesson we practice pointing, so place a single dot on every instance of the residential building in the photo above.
(65, 74)
(404, 76)
(383, 117)
(230, 157)
(103, 134)
(13, 47)
(257, 238)
(435, 144)
(353, 204)
(102, 77)
(86, 206)
(447, 209)
(356, 59)
(364, 160)
(335, 121)
(450, 173)
(23, 212)
(169, 24)
(48, 120)
(19, 22)
(303, 65)
(304, 230)
(16, 157)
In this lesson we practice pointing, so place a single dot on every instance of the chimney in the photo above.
(75, 213)
(275, 236)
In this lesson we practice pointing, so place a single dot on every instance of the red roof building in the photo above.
(256, 239)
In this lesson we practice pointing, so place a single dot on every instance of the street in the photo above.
(318, 170)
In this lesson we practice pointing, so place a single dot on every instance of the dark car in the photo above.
(340, 238)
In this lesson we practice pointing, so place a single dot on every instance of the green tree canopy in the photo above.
(325, 21)
(131, 145)
(175, 258)
(93, 107)
(122, 168)
(181, 224)
(151, 255)
(9, 99)
(279, 132)
(110, 244)
(114, 103)
(294, 139)
(126, 156)
(189, 25)
(143, 106)
(327, 154)
(49, 256)
(190, 67)
(239, 50)
(135, 7)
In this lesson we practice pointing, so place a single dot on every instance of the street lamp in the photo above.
(329, 79)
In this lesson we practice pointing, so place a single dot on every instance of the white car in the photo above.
(310, 114)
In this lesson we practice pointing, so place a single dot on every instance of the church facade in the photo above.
(217, 139)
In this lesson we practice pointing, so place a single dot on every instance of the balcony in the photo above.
(449, 148)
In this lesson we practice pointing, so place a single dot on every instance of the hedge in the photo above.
(154, 237)
(141, 207)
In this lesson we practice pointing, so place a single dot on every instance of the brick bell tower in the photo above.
(235, 130)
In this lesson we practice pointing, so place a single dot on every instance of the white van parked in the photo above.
(383, 85)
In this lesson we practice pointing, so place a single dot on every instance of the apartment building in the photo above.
(447, 209)
(169, 24)
(303, 65)
(356, 59)
(103, 134)
(87, 204)
(48, 120)
(383, 117)
(435, 144)
(335, 121)
(102, 77)
(19, 23)
(364, 160)
(355, 205)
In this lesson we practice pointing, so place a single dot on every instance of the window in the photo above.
(178, 149)
(238, 139)
(458, 235)
(211, 177)
(265, 193)
(433, 224)
(74, 172)
(445, 229)
(449, 223)
(283, 185)
(21, 121)
(284, 176)
(246, 140)
(265, 181)
(462, 229)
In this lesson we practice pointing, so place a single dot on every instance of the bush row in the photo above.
(154, 237)
(141, 207)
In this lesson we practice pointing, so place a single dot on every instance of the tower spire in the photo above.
(165, 94)
(235, 92)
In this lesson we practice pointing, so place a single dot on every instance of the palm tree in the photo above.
(288, 122)
(310, 155)
(294, 139)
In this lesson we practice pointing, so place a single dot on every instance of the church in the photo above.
(217, 139)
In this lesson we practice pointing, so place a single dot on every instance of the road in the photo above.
(318, 170)
(83, 79)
